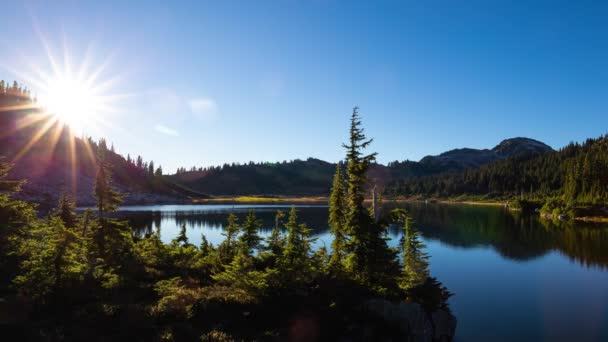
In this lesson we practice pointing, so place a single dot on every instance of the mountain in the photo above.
(51, 160)
(312, 177)
(521, 146)
(577, 172)
(467, 158)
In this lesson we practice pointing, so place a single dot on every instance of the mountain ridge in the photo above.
(312, 177)
(463, 158)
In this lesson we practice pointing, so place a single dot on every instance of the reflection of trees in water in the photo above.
(515, 235)
(144, 221)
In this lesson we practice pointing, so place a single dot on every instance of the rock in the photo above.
(414, 321)
(411, 318)
(444, 324)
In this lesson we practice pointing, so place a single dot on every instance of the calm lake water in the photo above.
(515, 277)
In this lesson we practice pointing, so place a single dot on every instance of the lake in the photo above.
(515, 277)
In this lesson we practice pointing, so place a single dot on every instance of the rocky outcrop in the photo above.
(414, 321)
(463, 158)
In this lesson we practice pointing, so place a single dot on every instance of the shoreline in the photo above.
(262, 200)
(322, 200)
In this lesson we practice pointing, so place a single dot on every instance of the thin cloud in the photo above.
(204, 108)
(166, 130)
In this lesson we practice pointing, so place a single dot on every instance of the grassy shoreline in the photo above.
(321, 200)
(261, 200)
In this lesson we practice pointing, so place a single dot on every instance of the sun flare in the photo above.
(71, 101)
(78, 95)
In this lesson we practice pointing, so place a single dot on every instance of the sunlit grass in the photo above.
(262, 199)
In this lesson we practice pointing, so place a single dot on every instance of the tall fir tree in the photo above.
(227, 248)
(249, 239)
(337, 220)
(108, 201)
(275, 243)
(66, 210)
(182, 237)
(415, 261)
(295, 261)
(371, 261)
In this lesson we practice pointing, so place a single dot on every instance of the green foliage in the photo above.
(295, 265)
(176, 298)
(415, 260)
(91, 271)
(579, 172)
(370, 260)
(17, 218)
(107, 198)
(205, 247)
(337, 221)
(182, 238)
(241, 274)
(556, 207)
(276, 242)
(217, 336)
(227, 248)
(431, 294)
(53, 256)
(66, 210)
(249, 239)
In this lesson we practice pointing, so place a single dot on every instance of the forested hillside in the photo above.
(312, 177)
(52, 160)
(578, 172)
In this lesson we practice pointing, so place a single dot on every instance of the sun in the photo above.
(79, 95)
(71, 101)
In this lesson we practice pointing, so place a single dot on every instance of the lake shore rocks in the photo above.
(413, 321)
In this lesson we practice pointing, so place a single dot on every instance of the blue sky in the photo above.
(208, 82)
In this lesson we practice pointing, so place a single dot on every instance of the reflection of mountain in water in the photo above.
(514, 235)
(145, 221)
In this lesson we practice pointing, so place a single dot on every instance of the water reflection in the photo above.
(514, 235)
(513, 274)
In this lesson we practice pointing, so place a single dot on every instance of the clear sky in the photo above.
(208, 82)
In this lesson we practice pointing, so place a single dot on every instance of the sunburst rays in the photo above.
(73, 99)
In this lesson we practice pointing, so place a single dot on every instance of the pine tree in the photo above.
(227, 247)
(52, 256)
(295, 261)
(371, 256)
(415, 260)
(205, 246)
(337, 218)
(182, 238)
(275, 243)
(240, 274)
(66, 210)
(107, 198)
(108, 201)
(249, 238)
(17, 218)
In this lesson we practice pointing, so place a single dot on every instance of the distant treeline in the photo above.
(578, 173)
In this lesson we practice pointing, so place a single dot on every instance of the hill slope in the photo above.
(52, 160)
(579, 172)
(466, 158)
(313, 177)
